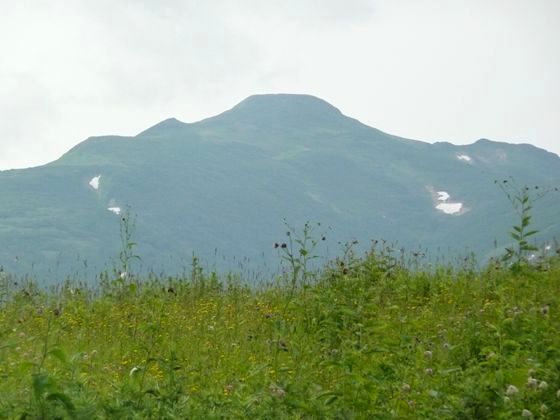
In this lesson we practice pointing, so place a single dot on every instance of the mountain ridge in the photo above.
(227, 183)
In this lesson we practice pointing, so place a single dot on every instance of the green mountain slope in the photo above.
(221, 187)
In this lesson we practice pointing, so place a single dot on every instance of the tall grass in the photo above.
(367, 338)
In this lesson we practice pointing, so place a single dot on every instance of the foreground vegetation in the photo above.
(365, 339)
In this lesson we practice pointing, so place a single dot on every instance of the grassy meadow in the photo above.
(364, 338)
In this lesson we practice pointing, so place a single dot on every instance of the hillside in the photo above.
(221, 188)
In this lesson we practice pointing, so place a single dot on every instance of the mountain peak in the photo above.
(170, 124)
(284, 108)
(286, 100)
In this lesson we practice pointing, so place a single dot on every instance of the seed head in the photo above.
(543, 385)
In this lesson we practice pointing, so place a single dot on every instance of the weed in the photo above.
(522, 199)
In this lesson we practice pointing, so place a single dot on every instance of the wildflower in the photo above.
(446, 346)
(405, 388)
(526, 413)
(532, 383)
(543, 385)
(511, 390)
(428, 354)
(429, 371)
(276, 391)
(507, 400)
(411, 403)
(545, 309)
(543, 408)
(532, 373)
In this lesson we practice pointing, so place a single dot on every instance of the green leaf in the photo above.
(41, 383)
(62, 398)
(515, 236)
(531, 232)
(331, 399)
(59, 354)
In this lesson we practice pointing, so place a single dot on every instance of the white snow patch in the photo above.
(116, 210)
(466, 158)
(443, 196)
(450, 208)
(94, 182)
(441, 202)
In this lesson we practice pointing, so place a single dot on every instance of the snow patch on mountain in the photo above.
(465, 158)
(442, 203)
(443, 196)
(94, 182)
(116, 210)
(450, 208)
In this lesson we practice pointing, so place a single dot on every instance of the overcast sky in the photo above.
(433, 70)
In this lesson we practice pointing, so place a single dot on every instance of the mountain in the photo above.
(221, 187)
